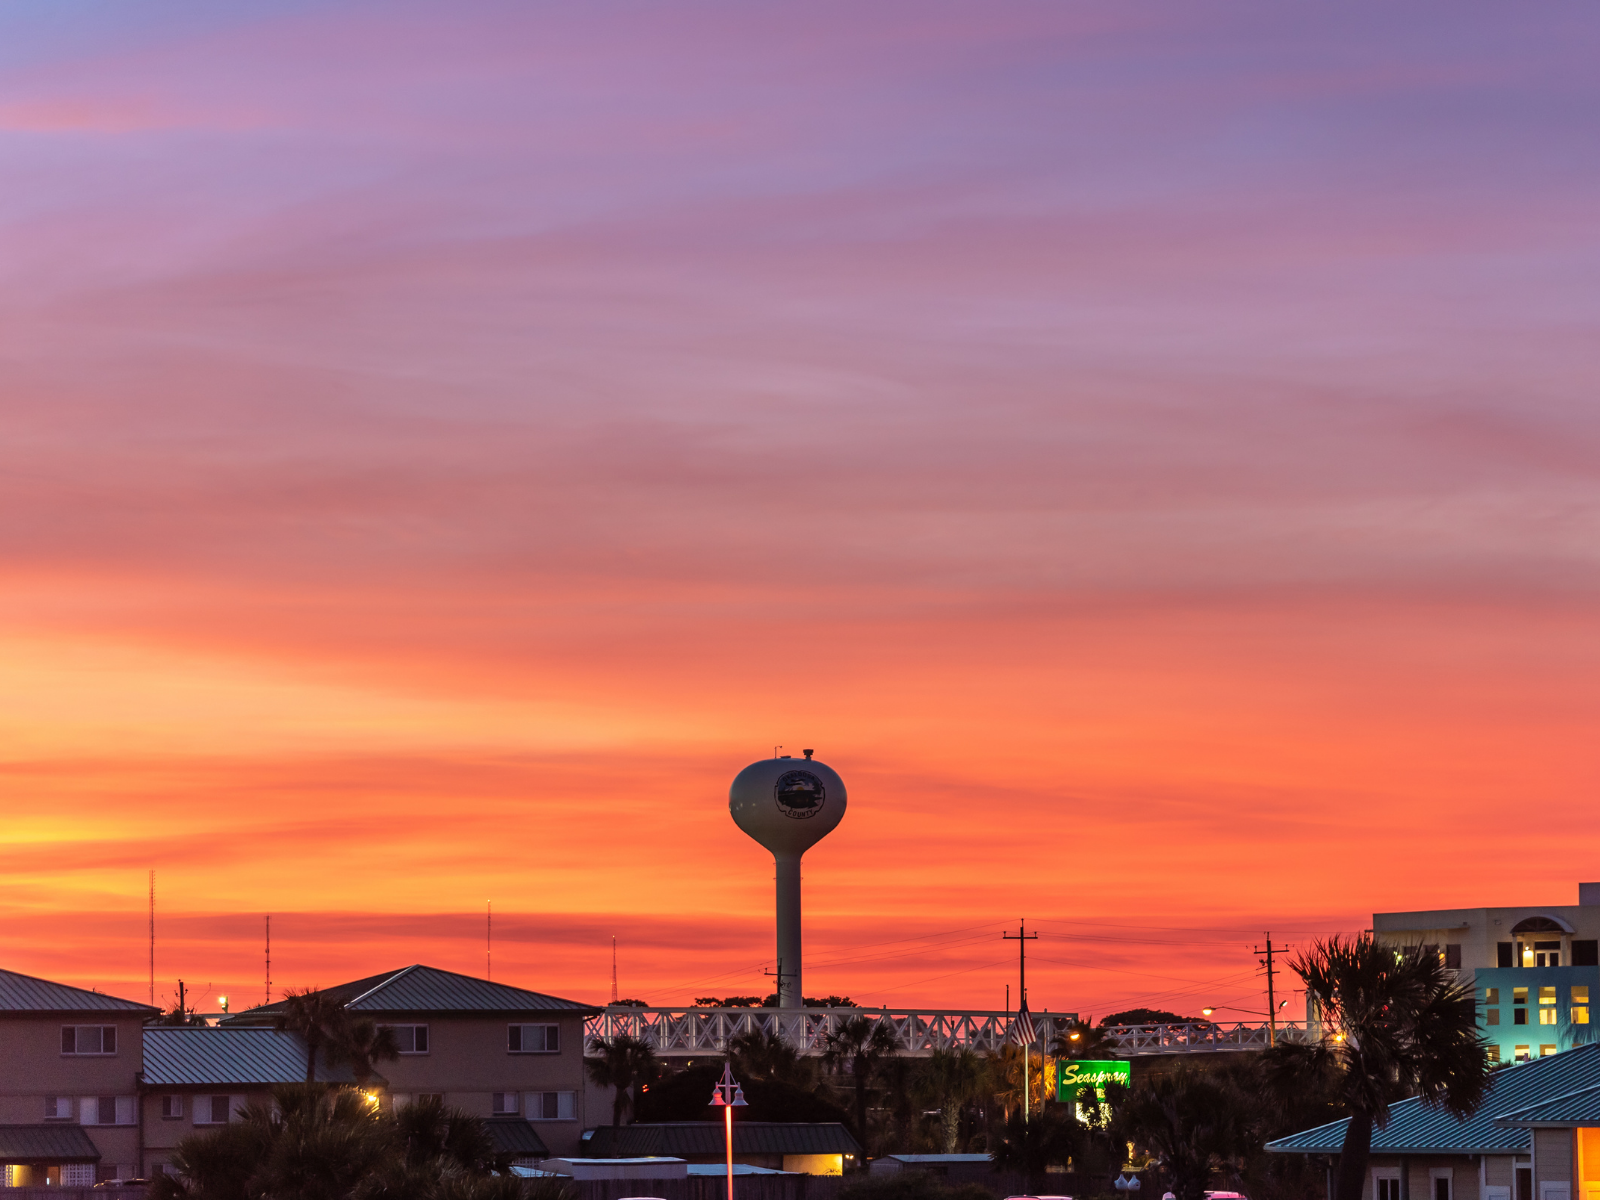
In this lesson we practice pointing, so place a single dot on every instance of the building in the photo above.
(489, 1049)
(1536, 969)
(959, 1168)
(1536, 1137)
(69, 1094)
(823, 1148)
(197, 1078)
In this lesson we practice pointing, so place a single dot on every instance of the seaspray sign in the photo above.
(1083, 1075)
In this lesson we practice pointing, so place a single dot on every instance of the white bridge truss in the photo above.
(685, 1032)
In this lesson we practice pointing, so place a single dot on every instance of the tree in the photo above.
(762, 1054)
(1050, 1138)
(1084, 1039)
(316, 1016)
(1146, 1016)
(863, 1043)
(362, 1043)
(953, 1079)
(621, 1062)
(1191, 1122)
(1395, 1024)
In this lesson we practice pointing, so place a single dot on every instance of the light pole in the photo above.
(729, 1096)
(1272, 1033)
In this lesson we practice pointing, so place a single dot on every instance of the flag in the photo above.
(1022, 1031)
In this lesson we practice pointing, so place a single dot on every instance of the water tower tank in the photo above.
(788, 805)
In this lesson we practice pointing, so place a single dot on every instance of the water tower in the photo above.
(787, 805)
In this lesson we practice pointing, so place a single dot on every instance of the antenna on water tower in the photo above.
(788, 809)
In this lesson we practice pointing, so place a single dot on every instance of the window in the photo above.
(77, 1175)
(535, 1039)
(1547, 954)
(107, 1110)
(1585, 952)
(1502, 956)
(171, 1107)
(551, 1106)
(1519, 1054)
(212, 1110)
(1547, 1006)
(412, 1039)
(504, 1104)
(1491, 995)
(1580, 1004)
(1386, 1187)
(1493, 1054)
(1525, 1183)
(1452, 955)
(1491, 1016)
(1519, 998)
(1546, 1050)
(1439, 1180)
(58, 1108)
(88, 1039)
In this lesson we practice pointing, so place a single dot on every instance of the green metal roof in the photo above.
(26, 994)
(197, 1056)
(1581, 1107)
(46, 1143)
(1415, 1128)
(514, 1135)
(679, 1139)
(418, 990)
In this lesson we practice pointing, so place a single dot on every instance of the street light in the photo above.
(729, 1095)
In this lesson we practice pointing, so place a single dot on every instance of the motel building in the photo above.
(1536, 970)
(1536, 1137)
(90, 1092)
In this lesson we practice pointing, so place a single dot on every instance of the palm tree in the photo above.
(1083, 1039)
(1191, 1121)
(622, 1063)
(316, 1016)
(863, 1043)
(953, 1079)
(362, 1043)
(1396, 1023)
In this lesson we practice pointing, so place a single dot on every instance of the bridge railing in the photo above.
(680, 1032)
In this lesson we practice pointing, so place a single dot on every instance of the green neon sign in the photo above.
(1076, 1077)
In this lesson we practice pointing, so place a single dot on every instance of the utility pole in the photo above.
(1024, 1019)
(183, 1016)
(269, 960)
(780, 975)
(613, 968)
(1272, 1000)
(488, 939)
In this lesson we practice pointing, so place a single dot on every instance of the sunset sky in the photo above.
(1151, 452)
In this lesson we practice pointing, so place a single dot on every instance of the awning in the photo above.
(513, 1135)
(46, 1143)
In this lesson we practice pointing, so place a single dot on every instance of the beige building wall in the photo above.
(35, 1069)
(469, 1060)
(1552, 1160)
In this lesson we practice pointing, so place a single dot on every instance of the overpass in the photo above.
(686, 1032)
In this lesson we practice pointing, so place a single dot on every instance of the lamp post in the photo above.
(1272, 1035)
(729, 1096)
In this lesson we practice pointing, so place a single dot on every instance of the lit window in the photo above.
(1491, 995)
(1519, 998)
(1580, 1004)
(1546, 1050)
(1519, 1054)
(1493, 1054)
(1547, 1006)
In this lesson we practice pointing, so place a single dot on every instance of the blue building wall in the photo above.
(1501, 983)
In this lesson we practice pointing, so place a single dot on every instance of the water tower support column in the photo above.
(790, 994)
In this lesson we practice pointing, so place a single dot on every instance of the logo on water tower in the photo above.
(799, 794)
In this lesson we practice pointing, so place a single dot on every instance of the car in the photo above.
(122, 1183)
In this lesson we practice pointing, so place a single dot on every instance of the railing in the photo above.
(680, 1032)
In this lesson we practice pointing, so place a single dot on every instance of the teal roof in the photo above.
(1581, 1107)
(46, 1143)
(514, 1135)
(1416, 1128)
(27, 994)
(417, 990)
(192, 1055)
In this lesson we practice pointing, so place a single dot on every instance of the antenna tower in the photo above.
(269, 960)
(152, 938)
(488, 939)
(613, 968)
